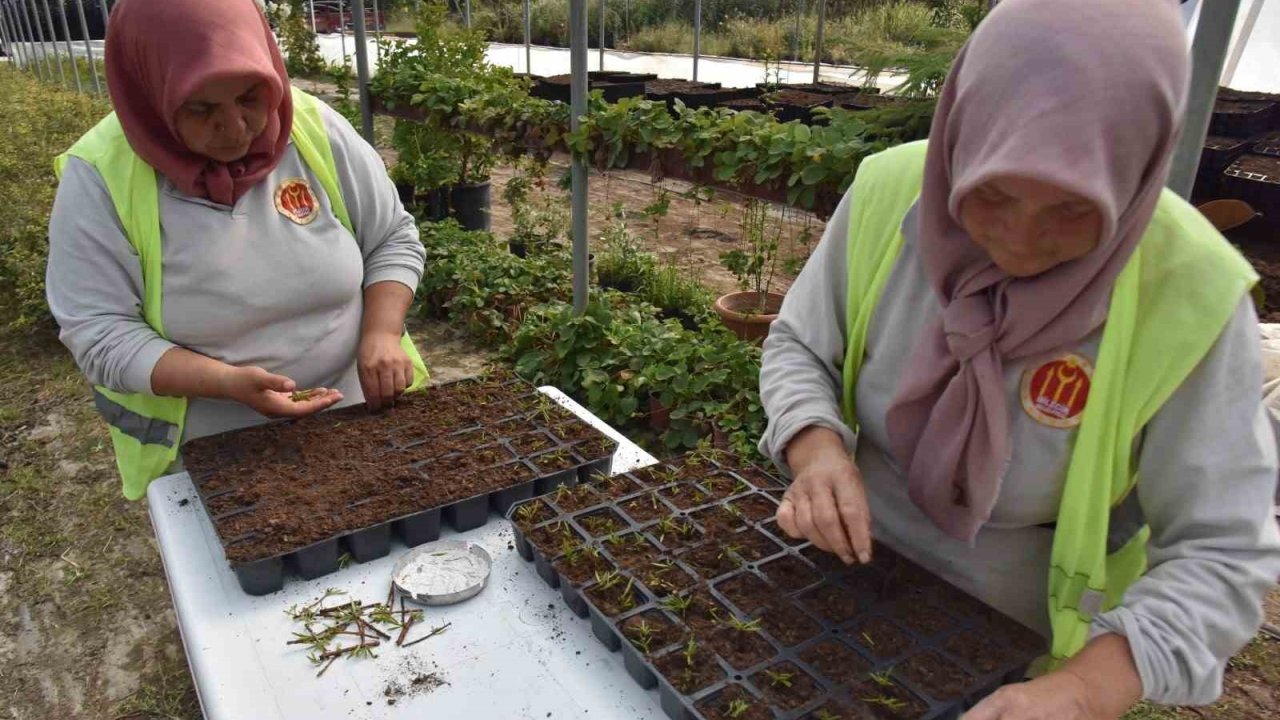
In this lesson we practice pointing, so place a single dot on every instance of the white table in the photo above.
(513, 651)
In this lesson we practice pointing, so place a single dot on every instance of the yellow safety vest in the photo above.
(1169, 305)
(146, 430)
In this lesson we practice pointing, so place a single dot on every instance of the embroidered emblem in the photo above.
(295, 201)
(1055, 392)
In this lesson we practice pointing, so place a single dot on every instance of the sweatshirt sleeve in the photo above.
(94, 286)
(802, 366)
(386, 232)
(1206, 478)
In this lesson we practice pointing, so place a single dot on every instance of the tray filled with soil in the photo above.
(687, 576)
(1256, 180)
(1242, 118)
(297, 496)
(613, 85)
(791, 105)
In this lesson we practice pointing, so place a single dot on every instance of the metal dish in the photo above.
(443, 572)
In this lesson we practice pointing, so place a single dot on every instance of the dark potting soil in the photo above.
(581, 567)
(742, 649)
(787, 623)
(922, 618)
(733, 703)
(689, 675)
(684, 496)
(718, 522)
(745, 104)
(550, 463)
(882, 639)
(664, 578)
(835, 710)
(823, 560)
(833, 603)
(786, 685)
(719, 486)
(753, 545)
(615, 599)
(645, 508)
(977, 651)
(888, 700)
(667, 87)
(632, 551)
(549, 539)
(705, 613)
(655, 475)
(935, 675)
(746, 591)
(570, 431)
(531, 444)
(790, 573)
(574, 499)
(617, 487)
(756, 507)
(1260, 164)
(601, 523)
(772, 528)
(836, 661)
(796, 97)
(1239, 107)
(532, 514)
(654, 627)
(710, 561)
(595, 448)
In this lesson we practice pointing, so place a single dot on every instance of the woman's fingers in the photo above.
(805, 521)
(787, 517)
(852, 512)
(827, 517)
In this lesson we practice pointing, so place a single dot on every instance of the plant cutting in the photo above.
(750, 312)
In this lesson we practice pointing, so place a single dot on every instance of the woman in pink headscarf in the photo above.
(261, 286)
(1052, 328)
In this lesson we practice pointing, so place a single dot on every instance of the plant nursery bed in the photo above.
(299, 494)
(689, 579)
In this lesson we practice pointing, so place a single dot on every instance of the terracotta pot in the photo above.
(743, 313)
(659, 414)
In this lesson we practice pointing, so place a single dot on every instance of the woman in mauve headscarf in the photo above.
(265, 290)
(1037, 246)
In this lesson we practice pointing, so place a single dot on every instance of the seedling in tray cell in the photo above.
(890, 702)
(610, 595)
(678, 604)
(616, 486)
(601, 523)
(676, 534)
(740, 643)
(645, 507)
(687, 672)
(573, 499)
(787, 686)
(581, 563)
(733, 703)
(744, 626)
(936, 676)
(554, 461)
(779, 679)
(650, 631)
(737, 708)
(665, 577)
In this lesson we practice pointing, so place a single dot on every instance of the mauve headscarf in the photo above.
(1084, 94)
(160, 51)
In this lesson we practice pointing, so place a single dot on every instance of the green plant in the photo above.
(755, 266)
(883, 678)
(780, 679)
(885, 701)
(622, 265)
(689, 651)
(737, 708)
(538, 218)
(678, 604)
(824, 714)
(607, 579)
(301, 51)
(342, 77)
(746, 626)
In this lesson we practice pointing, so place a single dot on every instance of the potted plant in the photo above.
(426, 166)
(622, 266)
(538, 218)
(677, 294)
(750, 312)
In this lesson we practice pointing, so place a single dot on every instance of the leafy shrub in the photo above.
(40, 121)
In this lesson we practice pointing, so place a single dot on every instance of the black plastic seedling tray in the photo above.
(518, 437)
(886, 640)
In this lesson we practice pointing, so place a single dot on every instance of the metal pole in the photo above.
(697, 36)
(601, 35)
(817, 49)
(88, 47)
(19, 31)
(362, 72)
(311, 5)
(53, 38)
(106, 16)
(33, 20)
(1246, 31)
(66, 37)
(1208, 52)
(795, 40)
(15, 38)
(466, 13)
(4, 36)
(342, 30)
(528, 34)
(577, 109)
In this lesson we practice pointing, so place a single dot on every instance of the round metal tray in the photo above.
(443, 572)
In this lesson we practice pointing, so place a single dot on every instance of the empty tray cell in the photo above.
(789, 573)
(836, 661)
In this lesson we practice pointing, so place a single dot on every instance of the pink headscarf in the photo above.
(160, 51)
(1087, 95)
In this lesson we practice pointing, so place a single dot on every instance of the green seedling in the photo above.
(526, 513)
(344, 561)
(614, 540)
(779, 679)
(607, 579)
(690, 649)
(304, 395)
(741, 487)
(826, 715)
(699, 497)
(563, 493)
(627, 599)
(678, 604)
(883, 678)
(664, 527)
(737, 708)
(571, 551)
(867, 639)
(746, 626)
(726, 553)
(885, 701)
(664, 565)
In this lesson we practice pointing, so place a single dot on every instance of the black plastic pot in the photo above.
(684, 316)
(316, 560)
(519, 249)
(406, 192)
(430, 205)
(370, 543)
(469, 205)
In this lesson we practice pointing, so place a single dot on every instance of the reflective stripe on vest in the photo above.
(1182, 276)
(147, 429)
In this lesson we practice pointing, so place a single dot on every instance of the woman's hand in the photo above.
(271, 394)
(1100, 683)
(826, 503)
(384, 367)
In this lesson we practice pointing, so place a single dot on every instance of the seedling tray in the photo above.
(296, 497)
(689, 549)
(1242, 118)
(1256, 180)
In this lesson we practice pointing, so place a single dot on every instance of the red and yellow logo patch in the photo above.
(1055, 392)
(295, 201)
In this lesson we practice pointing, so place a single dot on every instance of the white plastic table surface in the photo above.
(513, 651)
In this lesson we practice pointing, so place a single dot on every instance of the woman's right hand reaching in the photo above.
(826, 503)
(274, 395)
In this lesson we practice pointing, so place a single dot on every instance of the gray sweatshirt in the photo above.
(243, 284)
(1206, 462)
